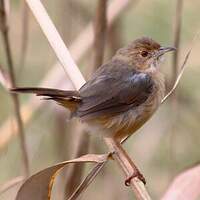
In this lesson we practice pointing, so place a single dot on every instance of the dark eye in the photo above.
(144, 53)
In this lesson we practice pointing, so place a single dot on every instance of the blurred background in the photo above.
(163, 147)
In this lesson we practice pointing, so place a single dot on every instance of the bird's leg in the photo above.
(119, 154)
(136, 173)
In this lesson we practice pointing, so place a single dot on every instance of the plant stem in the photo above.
(128, 167)
(177, 36)
(24, 36)
(5, 34)
(100, 24)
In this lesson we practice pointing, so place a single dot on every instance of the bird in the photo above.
(121, 95)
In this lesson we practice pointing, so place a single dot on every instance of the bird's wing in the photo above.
(111, 93)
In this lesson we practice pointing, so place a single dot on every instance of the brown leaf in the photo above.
(39, 186)
(185, 186)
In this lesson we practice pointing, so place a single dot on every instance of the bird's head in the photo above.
(143, 53)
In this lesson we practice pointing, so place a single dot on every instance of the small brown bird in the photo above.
(121, 95)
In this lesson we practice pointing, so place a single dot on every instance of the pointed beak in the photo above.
(164, 50)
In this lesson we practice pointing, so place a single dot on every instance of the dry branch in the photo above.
(7, 46)
(181, 71)
(177, 37)
(100, 24)
(24, 35)
(114, 37)
(176, 54)
(87, 181)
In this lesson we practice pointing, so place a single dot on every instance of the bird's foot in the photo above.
(134, 175)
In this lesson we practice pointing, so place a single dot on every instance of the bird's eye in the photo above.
(144, 53)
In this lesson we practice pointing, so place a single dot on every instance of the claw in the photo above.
(135, 174)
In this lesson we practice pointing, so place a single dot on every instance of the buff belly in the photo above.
(125, 124)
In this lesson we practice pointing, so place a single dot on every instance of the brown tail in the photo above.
(68, 99)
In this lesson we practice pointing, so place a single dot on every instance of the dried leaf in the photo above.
(39, 186)
(185, 186)
(179, 76)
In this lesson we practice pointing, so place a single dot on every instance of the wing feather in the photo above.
(114, 91)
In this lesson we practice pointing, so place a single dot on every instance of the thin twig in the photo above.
(114, 37)
(179, 77)
(24, 36)
(87, 181)
(6, 41)
(181, 70)
(177, 37)
(100, 24)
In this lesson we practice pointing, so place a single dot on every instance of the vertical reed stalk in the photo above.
(7, 46)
